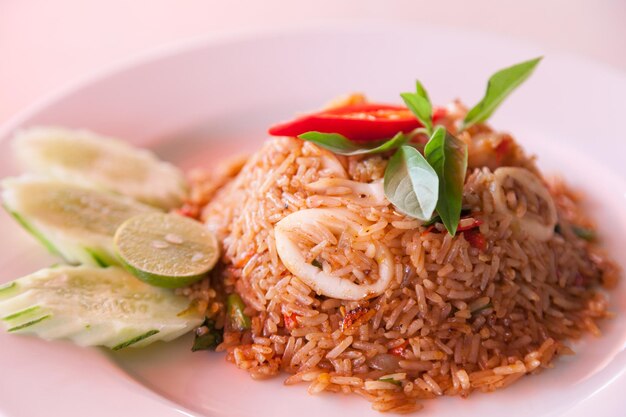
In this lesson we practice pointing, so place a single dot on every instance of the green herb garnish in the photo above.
(316, 263)
(238, 318)
(447, 155)
(207, 337)
(584, 233)
(411, 184)
(499, 86)
(341, 145)
(437, 218)
(418, 184)
(420, 105)
(391, 381)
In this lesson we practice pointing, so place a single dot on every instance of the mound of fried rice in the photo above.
(474, 311)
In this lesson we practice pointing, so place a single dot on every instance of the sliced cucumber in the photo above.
(100, 161)
(76, 222)
(95, 306)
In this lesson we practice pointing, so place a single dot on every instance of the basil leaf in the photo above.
(411, 184)
(500, 85)
(420, 106)
(448, 157)
(341, 145)
(207, 337)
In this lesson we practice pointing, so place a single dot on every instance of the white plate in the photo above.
(202, 101)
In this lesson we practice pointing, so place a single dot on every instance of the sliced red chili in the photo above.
(474, 225)
(291, 320)
(361, 122)
(189, 210)
(356, 317)
(502, 150)
(476, 239)
(399, 350)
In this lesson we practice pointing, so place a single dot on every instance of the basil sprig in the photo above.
(447, 155)
(418, 185)
(411, 184)
(420, 105)
(499, 86)
(341, 145)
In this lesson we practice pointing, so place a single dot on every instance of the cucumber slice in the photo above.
(70, 220)
(100, 161)
(166, 250)
(95, 306)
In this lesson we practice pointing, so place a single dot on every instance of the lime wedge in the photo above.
(166, 250)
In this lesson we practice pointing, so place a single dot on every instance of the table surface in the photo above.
(45, 45)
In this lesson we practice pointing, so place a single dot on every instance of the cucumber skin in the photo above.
(33, 232)
(20, 313)
(134, 340)
(29, 324)
(76, 255)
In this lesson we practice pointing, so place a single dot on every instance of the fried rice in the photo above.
(474, 311)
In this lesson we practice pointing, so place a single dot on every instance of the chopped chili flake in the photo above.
(291, 320)
(475, 238)
(189, 210)
(399, 350)
(580, 280)
(356, 317)
(439, 113)
(429, 229)
(473, 225)
(502, 150)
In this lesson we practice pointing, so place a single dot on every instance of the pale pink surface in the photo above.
(190, 102)
(47, 44)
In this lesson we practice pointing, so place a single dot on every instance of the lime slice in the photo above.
(102, 162)
(166, 250)
(94, 306)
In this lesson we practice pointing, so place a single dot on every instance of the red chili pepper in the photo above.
(361, 122)
(475, 238)
(291, 320)
(399, 350)
(502, 150)
(189, 210)
(428, 230)
(474, 225)
(439, 113)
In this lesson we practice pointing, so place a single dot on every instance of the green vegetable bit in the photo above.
(341, 145)
(235, 308)
(411, 184)
(207, 337)
(584, 233)
(420, 105)
(391, 381)
(499, 86)
(447, 155)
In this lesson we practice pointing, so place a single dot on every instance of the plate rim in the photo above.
(206, 42)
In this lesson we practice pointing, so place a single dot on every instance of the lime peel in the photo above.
(166, 250)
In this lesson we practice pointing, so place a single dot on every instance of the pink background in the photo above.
(47, 44)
